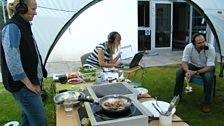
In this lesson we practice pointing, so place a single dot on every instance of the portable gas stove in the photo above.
(136, 115)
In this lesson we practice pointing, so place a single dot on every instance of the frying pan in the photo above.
(111, 103)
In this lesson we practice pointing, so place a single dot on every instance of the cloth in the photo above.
(92, 60)
(20, 57)
(201, 59)
(207, 79)
(32, 108)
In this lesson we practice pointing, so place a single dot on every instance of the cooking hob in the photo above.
(102, 115)
(136, 115)
(99, 90)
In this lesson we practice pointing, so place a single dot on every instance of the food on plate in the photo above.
(88, 74)
(115, 105)
(87, 70)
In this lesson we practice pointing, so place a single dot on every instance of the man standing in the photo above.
(21, 65)
(198, 59)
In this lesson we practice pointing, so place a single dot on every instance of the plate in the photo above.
(74, 81)
(142, 91)
(12, 123)
(163, 105)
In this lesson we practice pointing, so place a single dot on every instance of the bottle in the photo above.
(173, 104)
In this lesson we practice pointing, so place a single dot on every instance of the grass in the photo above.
(159, 81)
(10, 111)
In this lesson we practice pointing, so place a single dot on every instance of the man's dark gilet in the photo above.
(28, 54)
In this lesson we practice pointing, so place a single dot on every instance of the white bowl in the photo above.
(12, 123)
(142, 91)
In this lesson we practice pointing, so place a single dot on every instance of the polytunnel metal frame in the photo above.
(190, 2)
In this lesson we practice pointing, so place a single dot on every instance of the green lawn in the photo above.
(10, 111)
(159, 80)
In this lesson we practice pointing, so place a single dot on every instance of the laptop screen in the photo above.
(134, 61)
(137, 58)
(126, 52)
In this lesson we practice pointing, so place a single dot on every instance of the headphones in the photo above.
(21, 8)
(112, 37)
(196, 35)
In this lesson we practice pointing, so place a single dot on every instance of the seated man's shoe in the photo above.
(206, 108)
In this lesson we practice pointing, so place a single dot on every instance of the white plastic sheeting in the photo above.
(51, 17)
(54, 14)
(214, 10)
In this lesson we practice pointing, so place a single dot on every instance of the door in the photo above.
(144, 32)
(163, 24)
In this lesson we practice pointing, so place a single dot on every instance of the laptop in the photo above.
(126, 52)
(130, 63)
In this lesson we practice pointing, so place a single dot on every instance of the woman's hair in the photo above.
(11, 7)
(113, 42)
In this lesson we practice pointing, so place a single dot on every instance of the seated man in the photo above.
(198, 59)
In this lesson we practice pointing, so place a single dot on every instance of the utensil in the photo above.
(158, 104)
(173, 104)
(156, 108)
(111, 103)
(68, 95)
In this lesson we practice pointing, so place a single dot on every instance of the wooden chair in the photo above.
(127, 72)
(84, 57)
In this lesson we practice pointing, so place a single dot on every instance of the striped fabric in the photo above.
(92, 60)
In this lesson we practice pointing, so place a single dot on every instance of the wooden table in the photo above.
(61, 119)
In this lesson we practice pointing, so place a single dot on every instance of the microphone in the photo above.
(206, 46)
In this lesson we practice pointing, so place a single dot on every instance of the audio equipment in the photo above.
(206, 46)
(112, 37)
(198, 34)
(21, 7)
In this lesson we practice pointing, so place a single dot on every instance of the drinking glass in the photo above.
(165, 120)
(120, 73)
(68, 107)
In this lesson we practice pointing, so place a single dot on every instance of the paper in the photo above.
(126, 52)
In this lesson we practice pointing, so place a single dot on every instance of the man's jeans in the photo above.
(207, 79)
(33, 113)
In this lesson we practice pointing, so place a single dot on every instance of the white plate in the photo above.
(12, 123)
(142, 91)
(163, 105)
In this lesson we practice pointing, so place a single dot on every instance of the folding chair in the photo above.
(84, 57)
